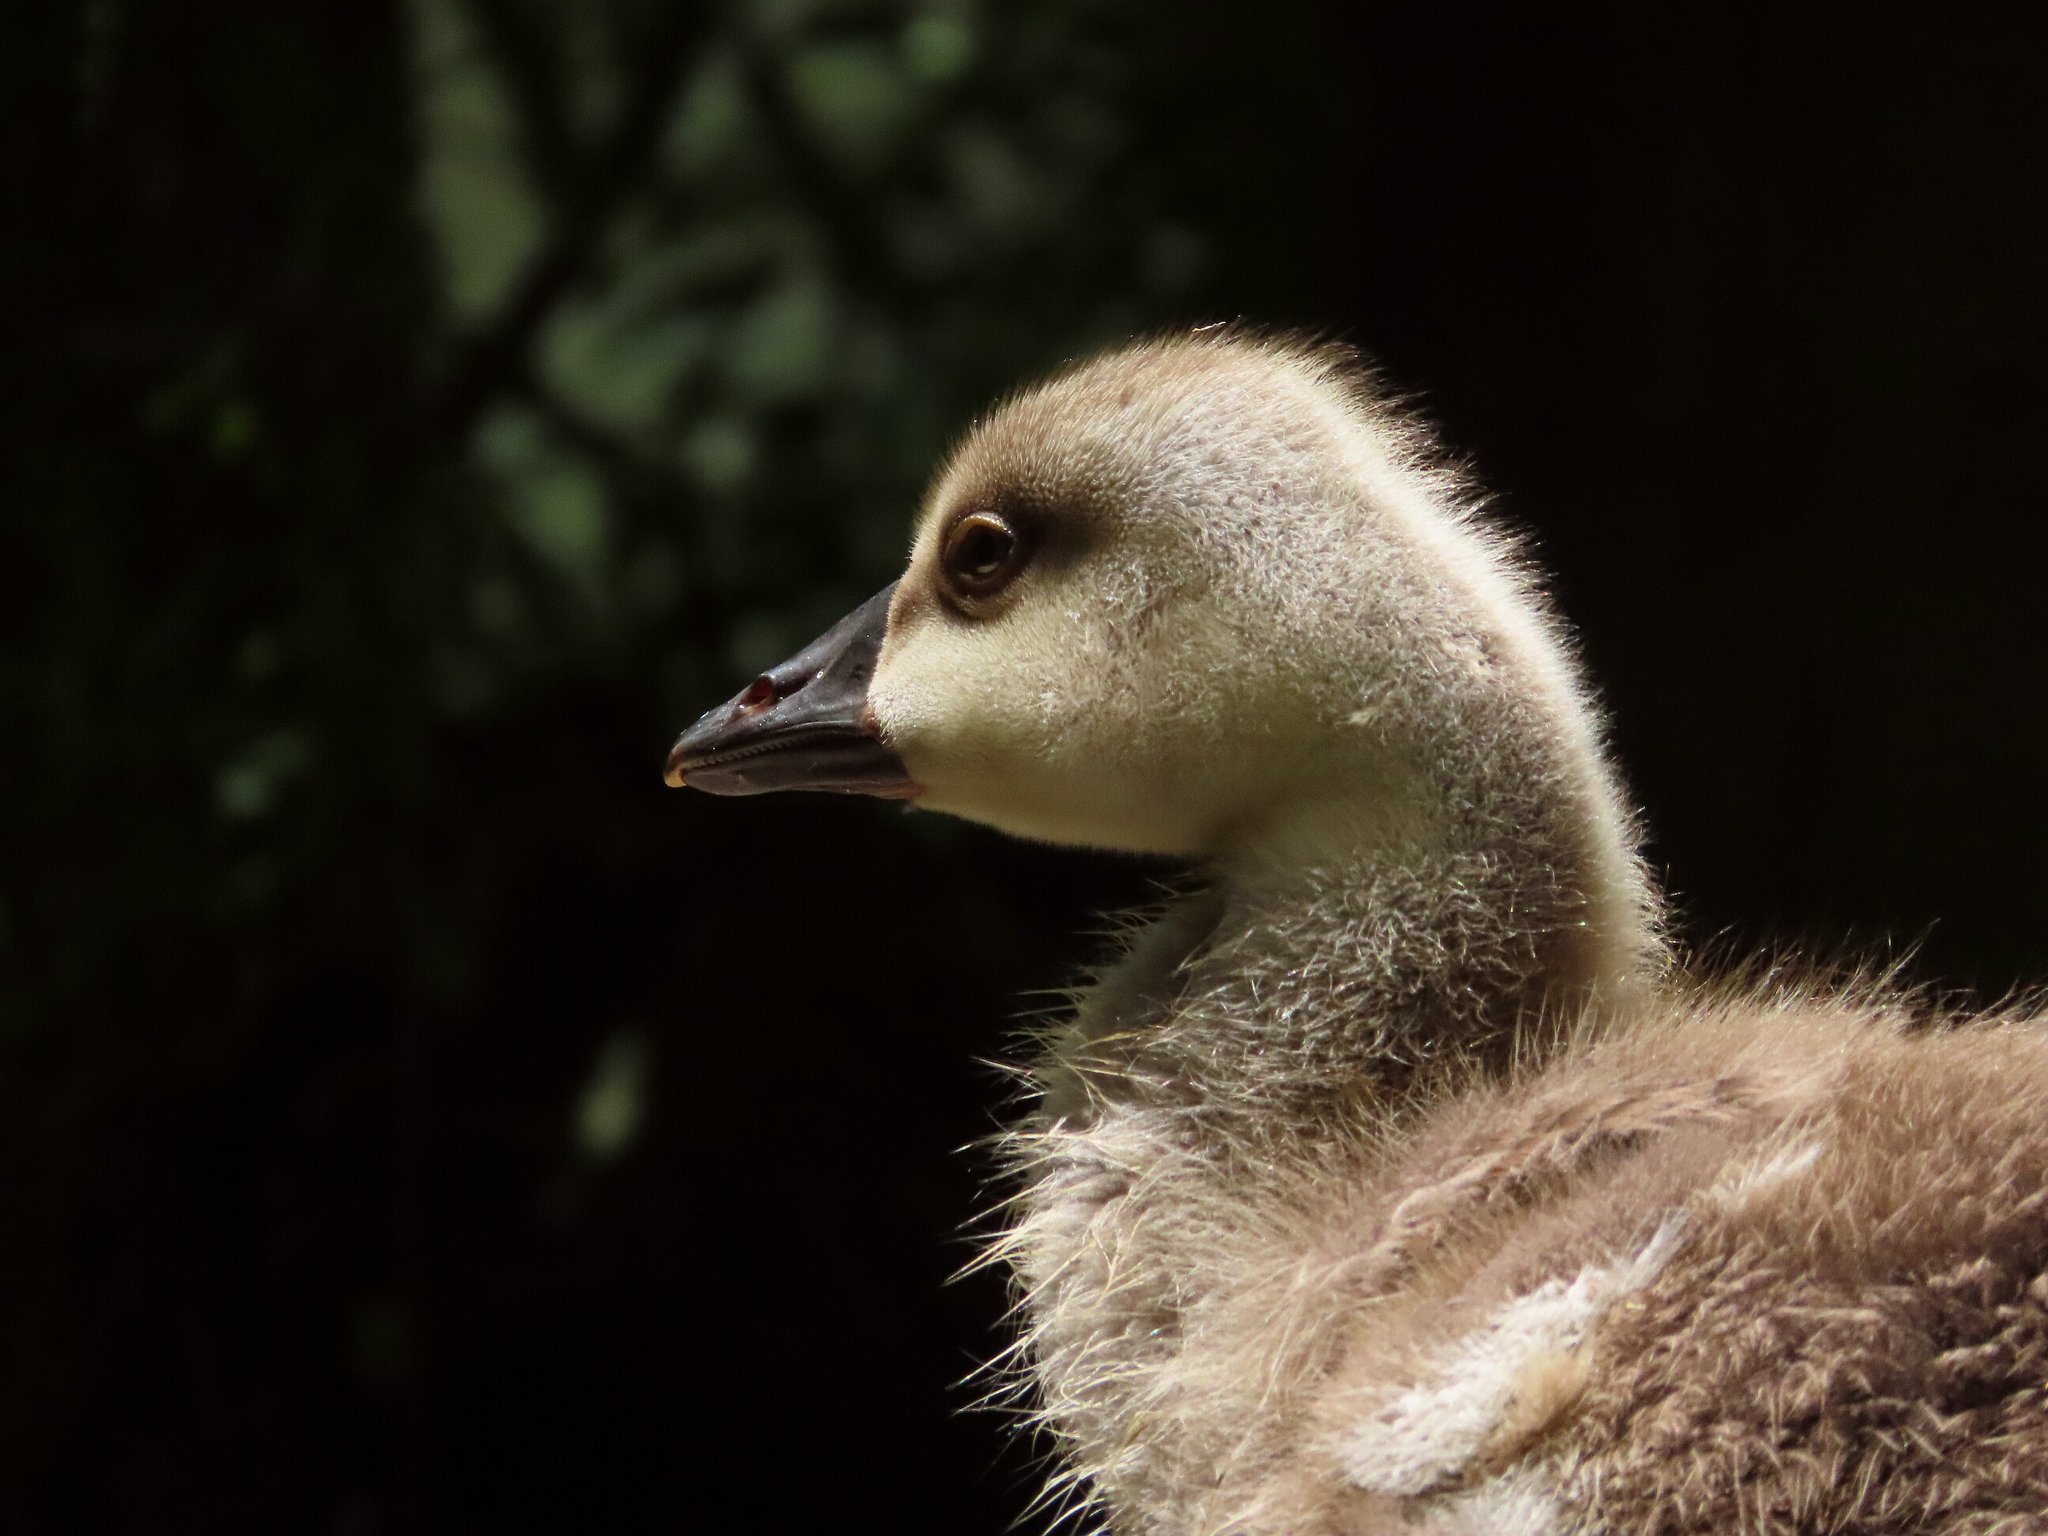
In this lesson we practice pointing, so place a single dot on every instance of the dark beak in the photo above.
(802, 725)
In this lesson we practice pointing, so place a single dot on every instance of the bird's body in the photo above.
(1394, 1179)
(1753, 1260)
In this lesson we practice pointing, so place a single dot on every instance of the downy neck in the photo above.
(1353, 946)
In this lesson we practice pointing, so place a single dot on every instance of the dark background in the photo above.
(413, 1117)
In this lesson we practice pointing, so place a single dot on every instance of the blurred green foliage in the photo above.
(435, 406)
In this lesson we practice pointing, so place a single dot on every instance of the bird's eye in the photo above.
(982, 555)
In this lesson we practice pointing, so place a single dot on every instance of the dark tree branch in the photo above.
(856, 238)
(530, 66)
(492, 359)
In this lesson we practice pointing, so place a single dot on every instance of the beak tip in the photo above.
(672, 775)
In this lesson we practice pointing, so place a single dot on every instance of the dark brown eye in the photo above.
(982, 555)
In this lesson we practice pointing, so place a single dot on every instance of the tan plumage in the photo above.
(1395, 1179)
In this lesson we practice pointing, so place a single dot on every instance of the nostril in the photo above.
(761, 694)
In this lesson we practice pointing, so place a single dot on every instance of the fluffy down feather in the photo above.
(1340, 1214)
(1394, 1180)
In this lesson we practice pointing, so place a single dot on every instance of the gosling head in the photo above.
(1186, 598)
